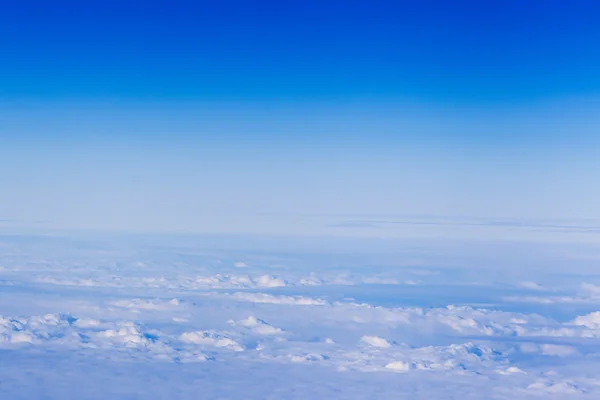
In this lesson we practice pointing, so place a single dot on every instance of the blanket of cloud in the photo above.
(124, 317)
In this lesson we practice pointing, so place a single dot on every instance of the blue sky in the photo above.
(200, 116)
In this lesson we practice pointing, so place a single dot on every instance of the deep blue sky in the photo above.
(199, 116)
(451, 51)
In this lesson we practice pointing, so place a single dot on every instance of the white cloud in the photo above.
(258, 326)
(376, 341)
(268, 281)
(210, 338)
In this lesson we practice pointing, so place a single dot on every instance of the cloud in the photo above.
(376, 341)
(588, 293)
(264, 298)
(269, 281)
(258, 326)
(211, 338)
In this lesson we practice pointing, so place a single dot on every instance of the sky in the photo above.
(208, 116)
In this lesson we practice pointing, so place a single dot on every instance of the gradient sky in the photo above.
(204, 116)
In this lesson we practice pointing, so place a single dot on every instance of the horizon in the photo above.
(200, 117)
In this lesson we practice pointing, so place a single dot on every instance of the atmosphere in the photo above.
(201, 116)
(293, 200)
